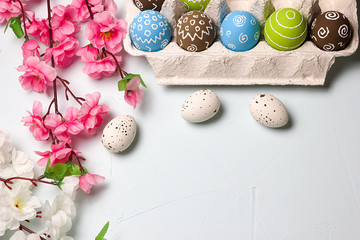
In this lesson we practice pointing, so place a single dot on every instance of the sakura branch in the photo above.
(33, 181)
(50, 43)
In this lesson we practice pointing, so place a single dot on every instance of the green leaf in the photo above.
(7, 25)
(142, 82)
(16, 27)
(74, 169)
(102, 233)
(56, 171)
(122, 85)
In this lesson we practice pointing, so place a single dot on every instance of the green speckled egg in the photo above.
(195, 5)
(285, 29)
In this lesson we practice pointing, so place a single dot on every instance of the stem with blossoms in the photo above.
(50, 132)
(63, 164)
(34, 181)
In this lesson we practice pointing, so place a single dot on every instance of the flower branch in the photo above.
(65, 83)
(34, 181)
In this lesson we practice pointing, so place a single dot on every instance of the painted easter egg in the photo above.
(195, 5)
(268, 111)
(150, 31)
(240, 31)
(195, 31)
(200, 106)
(331, 31)
(149, 4)
(119, 133)
(285, 29)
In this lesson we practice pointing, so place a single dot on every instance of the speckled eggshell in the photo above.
(331, 31)
(195, 32)
(285, 29)
(150, 31)
(149, 4)
(268, 111)
(200, 106)
(240, 31)
(195, 5)
(119, 133)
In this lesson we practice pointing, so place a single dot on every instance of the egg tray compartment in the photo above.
(262, 65)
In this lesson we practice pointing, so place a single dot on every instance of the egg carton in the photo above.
(262, 65)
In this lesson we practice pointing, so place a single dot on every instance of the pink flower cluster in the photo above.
(105, 33)
(9, 9)
(88, 118)
(97, 6)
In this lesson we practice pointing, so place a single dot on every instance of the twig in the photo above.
(117, 63)
(32, 180)
(89, 8)
(67, 90)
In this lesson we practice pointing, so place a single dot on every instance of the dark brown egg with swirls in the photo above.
(331, 31)
(149, 4)
(195, 32)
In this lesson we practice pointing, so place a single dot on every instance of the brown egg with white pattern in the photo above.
(331, 31)
(195, 31)
(143, 5)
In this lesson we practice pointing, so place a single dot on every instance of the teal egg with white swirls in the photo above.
(240, 31)
(150, 31)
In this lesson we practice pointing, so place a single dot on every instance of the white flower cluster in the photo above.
(17, 204)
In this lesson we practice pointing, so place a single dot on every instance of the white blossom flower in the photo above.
(6, 219)
(20, 235)
(59, 216)
(5, 149)
(19, 203)
(22, 165)
(70, 185)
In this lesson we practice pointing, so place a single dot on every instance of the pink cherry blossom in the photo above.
(88, 180)
(37, 74)
(106, 31)
(87, 54)
(9, 9)
(109, 6)
(38, 28)
(64, 22)
(133, 94)
(30, 49)
(63, 52)
(82, 10)
(59, 153)
(97, 6)
(91, 113)
(36, 123)
(105, 66)
(62, 127)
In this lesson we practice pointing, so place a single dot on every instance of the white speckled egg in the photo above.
(200, 106)
(119, 133)
(268, 111)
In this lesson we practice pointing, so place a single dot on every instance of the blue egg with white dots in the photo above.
(240, 31)
(150, 31)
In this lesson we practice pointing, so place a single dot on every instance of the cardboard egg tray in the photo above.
(307, 65)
